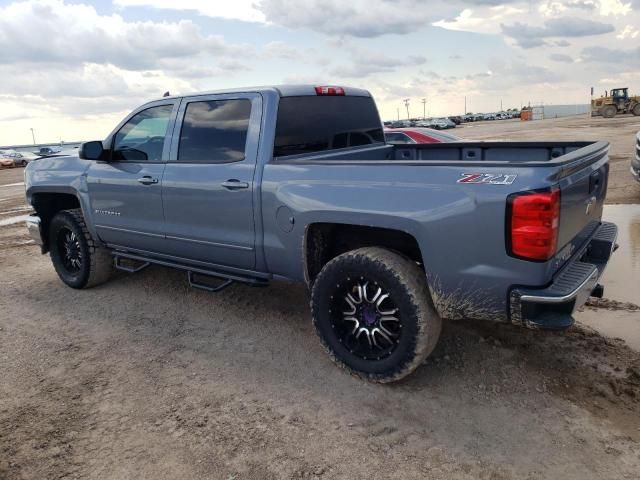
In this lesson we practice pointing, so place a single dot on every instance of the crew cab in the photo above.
(296, 183)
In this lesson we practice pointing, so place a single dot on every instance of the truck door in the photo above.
(125, 191)
(208, 184)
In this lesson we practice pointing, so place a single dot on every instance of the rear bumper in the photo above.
(552, 307)
(34, 229)
(635, 161)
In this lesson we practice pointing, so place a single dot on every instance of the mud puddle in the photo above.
(621, 281)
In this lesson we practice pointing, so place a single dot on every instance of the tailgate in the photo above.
(583, 187)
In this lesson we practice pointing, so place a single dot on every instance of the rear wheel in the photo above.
(373, 314)
(636, 110)
(609, 111)
(78, 261)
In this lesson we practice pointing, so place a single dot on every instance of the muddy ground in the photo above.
(145, 378)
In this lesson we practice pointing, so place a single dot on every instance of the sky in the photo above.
(71, 70)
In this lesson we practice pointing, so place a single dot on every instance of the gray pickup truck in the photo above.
(296, 183)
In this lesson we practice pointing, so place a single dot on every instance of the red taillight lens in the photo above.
(534, 224)
(331, 91)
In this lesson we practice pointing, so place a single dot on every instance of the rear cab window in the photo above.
(308, 124)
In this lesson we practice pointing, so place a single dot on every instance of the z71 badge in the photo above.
(488, 178)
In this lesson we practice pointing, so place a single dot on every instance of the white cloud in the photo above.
(614, 7)
(528, 36)
(77, 33)
(364, 62)
(245, 10)
(629, 31)
(480, 21)
(358, 18)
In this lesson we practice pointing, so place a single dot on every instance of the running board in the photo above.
(227, 278)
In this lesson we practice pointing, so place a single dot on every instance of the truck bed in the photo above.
(528, 153)
(482, 153)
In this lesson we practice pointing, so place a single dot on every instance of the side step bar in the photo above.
(206, 287)
(226, 278)
(117, 262)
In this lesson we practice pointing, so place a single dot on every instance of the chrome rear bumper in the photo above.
(33, 227)
(552, 307)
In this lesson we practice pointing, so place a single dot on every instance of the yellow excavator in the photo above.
(618, 101)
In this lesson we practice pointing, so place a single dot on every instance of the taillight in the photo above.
(533, 224)
(331, 91)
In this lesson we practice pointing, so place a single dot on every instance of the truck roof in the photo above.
(281, 90)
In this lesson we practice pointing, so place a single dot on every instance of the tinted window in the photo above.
(142, 137)
(313, 124)
(214, 131)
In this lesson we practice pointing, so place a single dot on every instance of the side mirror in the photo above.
(91, 150)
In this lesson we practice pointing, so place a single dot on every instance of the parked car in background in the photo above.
(21, 159)
(440, 123)
(635, 161)
(398, 136)
(6, 162)
(456, 119)
(401, 124)
(47, 151)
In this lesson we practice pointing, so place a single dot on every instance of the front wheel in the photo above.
(373, 313)
(636, 110)
(77, 260)
(609, 111)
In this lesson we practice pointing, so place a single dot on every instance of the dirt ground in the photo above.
(145, 378)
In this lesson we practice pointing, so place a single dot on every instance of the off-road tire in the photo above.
(97, 263)
(636, 110)
(609, 111)
(406, 284)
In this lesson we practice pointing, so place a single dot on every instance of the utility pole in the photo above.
(424, 108)
(500, 104)
(33, 136)
(406, 104)
(465, 104)
(398, 113)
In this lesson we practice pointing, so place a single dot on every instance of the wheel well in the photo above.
(325, 241)
(47, 205)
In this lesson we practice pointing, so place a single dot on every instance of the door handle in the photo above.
(234, 184)
(147, 180)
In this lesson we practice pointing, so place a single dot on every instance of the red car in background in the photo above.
(418, 135)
